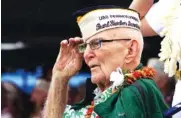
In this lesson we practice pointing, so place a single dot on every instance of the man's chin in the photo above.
(93, 80)
(96, 79)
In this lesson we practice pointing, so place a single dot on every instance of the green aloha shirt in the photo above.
(126, 102)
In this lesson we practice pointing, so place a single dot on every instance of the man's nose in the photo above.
(88, 54)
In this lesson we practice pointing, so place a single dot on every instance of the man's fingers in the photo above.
(72, 42)
(67, 46)
(78, 40)
(63, 48)
(64, 44)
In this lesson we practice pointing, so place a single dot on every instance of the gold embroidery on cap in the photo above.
(79, 18)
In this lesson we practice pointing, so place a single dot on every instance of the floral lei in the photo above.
(125, 78)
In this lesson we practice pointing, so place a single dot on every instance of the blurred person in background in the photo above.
(72, 92)
(164, 19)
(46, 71)
(76, 94)
(142, 6)
(38, 97)
(5, 111)
(166, 84)
(16, 103)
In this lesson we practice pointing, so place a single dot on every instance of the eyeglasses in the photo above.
(95, 44)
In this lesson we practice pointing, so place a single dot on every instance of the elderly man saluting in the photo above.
(111, 46)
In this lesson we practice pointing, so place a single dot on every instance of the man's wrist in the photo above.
(60, 76)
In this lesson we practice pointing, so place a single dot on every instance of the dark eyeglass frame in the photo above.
(98, 43)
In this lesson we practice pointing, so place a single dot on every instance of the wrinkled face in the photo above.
(108, 57)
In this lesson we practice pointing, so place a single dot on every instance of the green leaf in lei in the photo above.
(94, 115)
(67, 115)
(106, 95)
(79, 113)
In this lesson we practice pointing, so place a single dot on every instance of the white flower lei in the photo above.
(117, 79)
(171, 44)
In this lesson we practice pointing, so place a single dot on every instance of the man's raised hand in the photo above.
(69, 60)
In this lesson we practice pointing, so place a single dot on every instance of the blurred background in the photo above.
(30, 37)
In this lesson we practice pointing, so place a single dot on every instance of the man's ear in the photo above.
(133, 50)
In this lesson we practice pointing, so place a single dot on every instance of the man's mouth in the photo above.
(93, 66)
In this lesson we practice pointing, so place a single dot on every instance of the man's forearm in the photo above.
(141, 6)
(57, 97)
